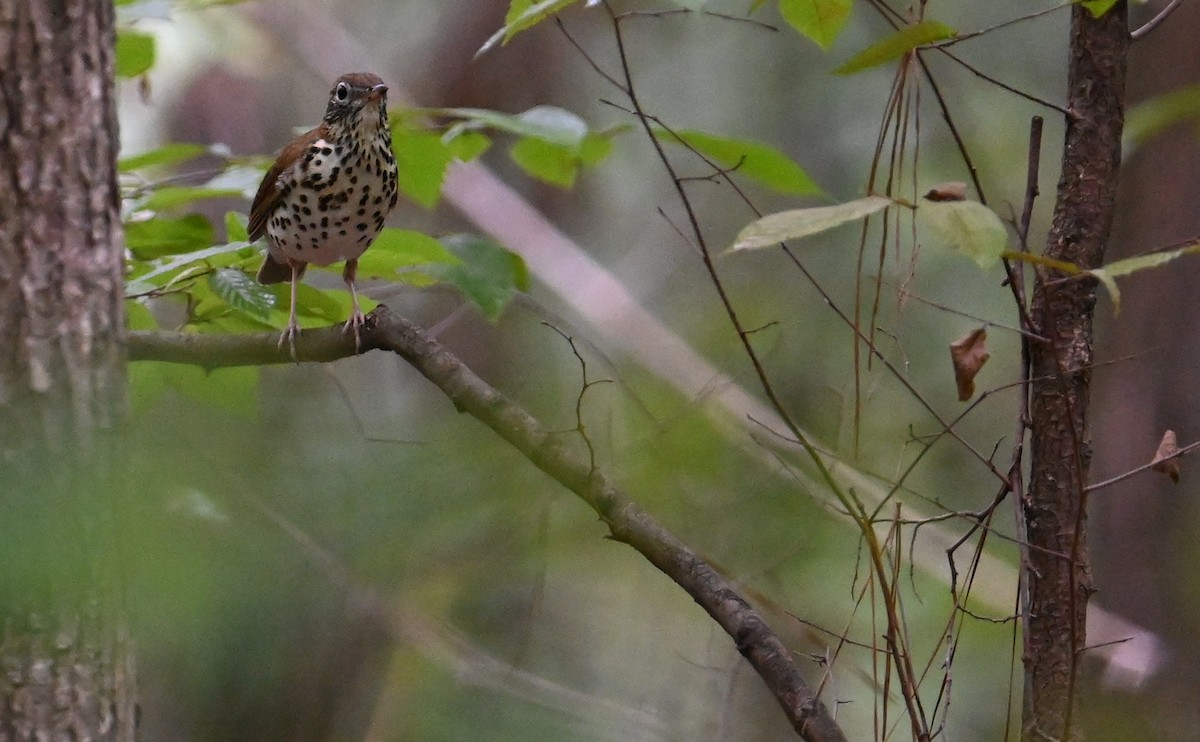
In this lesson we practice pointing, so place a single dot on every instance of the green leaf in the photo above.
(552, 163)
(154, 238)
(422, 159)
(488, 275)
(168, 154)
(595, 148)
(236, 224)
(690, 4)
(139, 317)
(1098, 7)
(1154, 115)
(969, 227)
(559, 164)
(549, 123)
(819, 20)
(1109, 273)
(240, 291)
(765, 164)
(792, 225)
(314, 307)
(170, 197)
(523, 14)
(396, 251)
(144, 278)
(468, 145)
(135, 52)
(897, 45)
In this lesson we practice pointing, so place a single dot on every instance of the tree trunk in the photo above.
(1059, 578)
(67, 672)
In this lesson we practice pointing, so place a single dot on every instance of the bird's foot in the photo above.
(355, 323)
(288, 336)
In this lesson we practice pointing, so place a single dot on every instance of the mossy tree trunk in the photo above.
(64, 651)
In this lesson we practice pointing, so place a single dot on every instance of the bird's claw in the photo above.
(356, 321)
(288, 336)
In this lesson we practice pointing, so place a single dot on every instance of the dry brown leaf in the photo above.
(955, 190)
(1163, 457)
(968, 354)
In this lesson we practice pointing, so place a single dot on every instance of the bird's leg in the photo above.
(357, 319)
(293, 329)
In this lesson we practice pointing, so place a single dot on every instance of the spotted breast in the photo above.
(329, 192)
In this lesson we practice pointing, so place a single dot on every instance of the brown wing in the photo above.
(268, 194)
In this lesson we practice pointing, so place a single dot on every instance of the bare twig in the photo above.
(1153, 22)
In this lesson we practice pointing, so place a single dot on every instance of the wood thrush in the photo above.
(328, 193)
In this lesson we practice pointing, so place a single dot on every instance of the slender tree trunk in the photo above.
(67, 672)
(1059, 577)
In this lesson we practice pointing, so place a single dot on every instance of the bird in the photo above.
(326, 197)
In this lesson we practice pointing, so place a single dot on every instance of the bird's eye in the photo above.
(342, 91)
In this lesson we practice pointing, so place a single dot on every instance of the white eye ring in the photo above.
(342, 91)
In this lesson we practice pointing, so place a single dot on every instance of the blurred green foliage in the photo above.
(332, 553)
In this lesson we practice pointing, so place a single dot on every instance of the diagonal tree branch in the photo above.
(627, 522)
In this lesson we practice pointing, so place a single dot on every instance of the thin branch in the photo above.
(1153, 22)
(626, 521)
(1138, 470)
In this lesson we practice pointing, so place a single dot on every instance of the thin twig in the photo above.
(1156, 20)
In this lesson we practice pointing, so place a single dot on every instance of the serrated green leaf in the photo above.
(170, 197)
(135, 52)
(236, 224)
(970, 227)
(488, 275)
(819, 20)
(897, 45)
(765, 164)
(154, 238)
(397, 251)
(784, 226)
(168, 154)
(1098, 7)
(523, 14)
(242, 292)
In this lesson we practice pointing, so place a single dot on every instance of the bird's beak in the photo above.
(376, 93)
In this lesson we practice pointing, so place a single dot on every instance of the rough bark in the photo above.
(66, 672)
(1059, 578)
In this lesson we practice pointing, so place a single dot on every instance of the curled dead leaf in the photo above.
(1165, 460)
(955, 190)
(968, 354)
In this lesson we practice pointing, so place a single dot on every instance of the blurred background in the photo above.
(333, 553)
